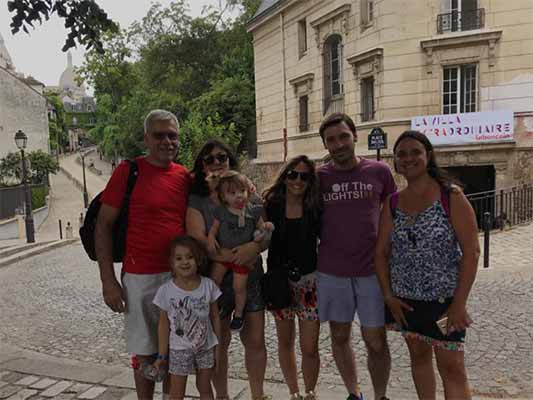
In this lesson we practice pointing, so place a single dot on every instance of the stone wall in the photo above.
(21, 107)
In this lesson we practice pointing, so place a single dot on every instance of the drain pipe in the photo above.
(284, 80)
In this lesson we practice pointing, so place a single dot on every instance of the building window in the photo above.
(367, 12)
(333, 80)
(459, 90)
(302, 38)
(460, 15)
(367, 99)
(304, 113)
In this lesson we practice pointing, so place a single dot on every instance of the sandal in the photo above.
(310, 395)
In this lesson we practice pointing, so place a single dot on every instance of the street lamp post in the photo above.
(85, 194)
(21, 140)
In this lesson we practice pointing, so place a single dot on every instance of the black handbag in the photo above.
(275, 289)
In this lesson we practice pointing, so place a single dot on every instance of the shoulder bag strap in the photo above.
(130, 183)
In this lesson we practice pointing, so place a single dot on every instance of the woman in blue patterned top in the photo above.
(426, 261)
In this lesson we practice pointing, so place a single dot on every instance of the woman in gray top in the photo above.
(216, 157)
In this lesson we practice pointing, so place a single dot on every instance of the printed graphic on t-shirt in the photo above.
(348, 191)
(189, 324)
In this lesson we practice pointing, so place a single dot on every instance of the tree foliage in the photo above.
(199, 68)
(57, 125)
(84, 19)
(41, 164)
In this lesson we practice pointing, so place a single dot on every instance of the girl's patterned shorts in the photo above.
(304, 300)
(187, 362)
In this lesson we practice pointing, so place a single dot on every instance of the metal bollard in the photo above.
(486, 239)
(60, 230)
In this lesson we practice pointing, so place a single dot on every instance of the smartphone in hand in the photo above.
(443, 325)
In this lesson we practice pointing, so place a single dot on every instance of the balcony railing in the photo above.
(457, 21)
(507, 207)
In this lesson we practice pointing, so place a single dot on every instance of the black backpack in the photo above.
(87, 230)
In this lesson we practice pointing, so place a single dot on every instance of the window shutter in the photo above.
(327, 76)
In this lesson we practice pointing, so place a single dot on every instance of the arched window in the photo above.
(333, 83)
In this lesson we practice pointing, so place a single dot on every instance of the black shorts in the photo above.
(421, 323)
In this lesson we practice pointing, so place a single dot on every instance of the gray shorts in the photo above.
(340, 297)
(187, 362)
(142, 316)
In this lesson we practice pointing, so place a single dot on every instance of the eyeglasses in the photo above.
(172, 136)
(220, 157)
(292, 175)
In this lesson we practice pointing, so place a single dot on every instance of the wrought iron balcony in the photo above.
(461, 21)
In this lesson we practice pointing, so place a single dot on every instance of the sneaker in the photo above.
(355, 397)
(236, 324)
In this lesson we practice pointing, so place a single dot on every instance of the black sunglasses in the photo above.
(292, 175)
(172, 136)
(220, 157)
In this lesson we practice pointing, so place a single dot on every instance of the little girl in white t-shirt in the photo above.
(189, 324)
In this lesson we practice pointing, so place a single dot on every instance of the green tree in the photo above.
(84, 19)
(10, 170)
(42, 164)
(200, 68)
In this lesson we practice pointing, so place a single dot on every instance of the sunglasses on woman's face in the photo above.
(293, 175)
(220, 157)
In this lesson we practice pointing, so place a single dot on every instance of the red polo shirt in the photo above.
(156, 215)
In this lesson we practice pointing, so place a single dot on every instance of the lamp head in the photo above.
(21, 140)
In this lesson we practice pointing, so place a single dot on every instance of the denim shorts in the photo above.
(254, 299)
(340, 297)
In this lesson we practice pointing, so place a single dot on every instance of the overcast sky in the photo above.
(39, 54)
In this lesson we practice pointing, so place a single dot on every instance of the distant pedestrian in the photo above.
(189, 325)
(426, 261)
(69, 234)
(80, 220)
(156, 215)
(113, 165)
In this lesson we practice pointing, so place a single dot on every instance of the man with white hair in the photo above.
(156, 215)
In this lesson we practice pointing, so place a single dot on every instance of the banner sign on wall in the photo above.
(467, 128)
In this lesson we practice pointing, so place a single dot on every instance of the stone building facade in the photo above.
(389, 64)
(22, 106)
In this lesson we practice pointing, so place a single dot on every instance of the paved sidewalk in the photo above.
(95, 183)
(29, 375)
(66, 204)
(61, 314)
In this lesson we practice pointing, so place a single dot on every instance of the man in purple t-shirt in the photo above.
(353, 190)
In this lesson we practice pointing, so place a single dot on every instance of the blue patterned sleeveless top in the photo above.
(425, 256)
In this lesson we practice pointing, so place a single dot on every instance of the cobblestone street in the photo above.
(52, 304)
